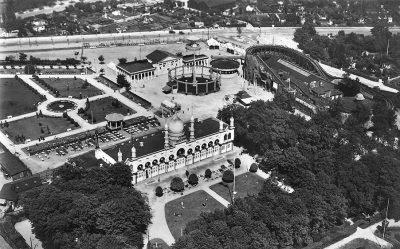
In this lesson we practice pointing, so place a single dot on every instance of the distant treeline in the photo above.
(10, 60)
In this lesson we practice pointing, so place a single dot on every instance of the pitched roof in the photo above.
(158, 55)
(136, 66)
(10, 191)
(11, 164)
(213, 3)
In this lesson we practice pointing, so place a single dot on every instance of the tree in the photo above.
(177, 184)
(253, 168)
(237, 163)
(29, 69)
(159, 191)
(227, 176)
(101, 59)
(122, 60)
(193, 179)
(22, 57)
(122, 82)
(208, 173)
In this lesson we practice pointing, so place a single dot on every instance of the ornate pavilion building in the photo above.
(176, 146)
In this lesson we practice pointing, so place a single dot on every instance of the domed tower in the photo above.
(175, 130)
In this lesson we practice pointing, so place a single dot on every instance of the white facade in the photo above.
(185, 152)
(168, 63)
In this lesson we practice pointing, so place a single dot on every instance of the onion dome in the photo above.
(175, 125)
(359, 97)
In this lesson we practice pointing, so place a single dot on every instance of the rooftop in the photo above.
(158, 55)
(11, 164)
(11, 190)
(154, 142)
(136, 66)
(189, 57)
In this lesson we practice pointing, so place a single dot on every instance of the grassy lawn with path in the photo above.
(101, 107)
(16, 98)
(72, 87)
(361, 244)
(34, 127)
(177, 217)
(246, 184)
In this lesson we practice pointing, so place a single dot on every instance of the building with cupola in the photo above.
(175, 146)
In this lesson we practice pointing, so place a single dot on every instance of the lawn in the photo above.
(101, 107)
(16, 98)
(35, 127)
(246, 184)
(177, 217)
(72, 87)
(361, 244)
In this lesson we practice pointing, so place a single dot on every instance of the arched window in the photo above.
(155, 162)
(180, 152)
(210, 144)
(162, 159)
(140, 167)
(190, 151)
(197, 147)
(225, 137)
(203, 146)
(216, 141)
(171, 157)
(229, 136)
(147, 165)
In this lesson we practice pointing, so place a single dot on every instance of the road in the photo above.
(63, 42)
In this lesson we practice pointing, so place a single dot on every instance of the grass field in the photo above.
(33, 127)
(177, 217)
(72, 87)
(361, 244)
(246, 184)
(16, 98)
(101, 107)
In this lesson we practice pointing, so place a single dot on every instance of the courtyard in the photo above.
(75, 87)
(181, 211)
(34, 127)
(98, 109)
(17, 98)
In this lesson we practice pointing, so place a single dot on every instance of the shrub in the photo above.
(227, 177)
(208, 173)
(177, 184)
(159, 191)
(253, 168)
(193, 179)
(237, 163)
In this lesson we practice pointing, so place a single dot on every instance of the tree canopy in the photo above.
(88, 208)
(335, 169)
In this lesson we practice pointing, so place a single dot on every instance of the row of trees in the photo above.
(344, 49)
(88, 208)
(335, 169)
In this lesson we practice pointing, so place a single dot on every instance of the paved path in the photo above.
(367, 233)
(159, 227)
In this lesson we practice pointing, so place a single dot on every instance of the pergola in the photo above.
(114, 121)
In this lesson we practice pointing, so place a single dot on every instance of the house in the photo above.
(136, 71)
(10, 192)
(12, 166)
(163, 61)
(39, 25)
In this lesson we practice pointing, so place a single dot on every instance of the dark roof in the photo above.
(11, 164)
(136, 66)
(158, 55)
(154, 142)
(189, 57)
(11, 190)
(214, 3)
(225, 64)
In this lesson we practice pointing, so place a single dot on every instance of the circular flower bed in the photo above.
(61, 106)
